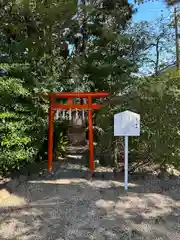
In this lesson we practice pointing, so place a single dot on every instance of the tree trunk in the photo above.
(157, 58)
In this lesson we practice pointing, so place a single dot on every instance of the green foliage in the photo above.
(34, 27)
(30, 35)
(159, 105)
(61, 145)
(60, 138)
(20, 136)
(157, 100)
(105, 63)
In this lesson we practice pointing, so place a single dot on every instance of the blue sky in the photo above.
(150, 11)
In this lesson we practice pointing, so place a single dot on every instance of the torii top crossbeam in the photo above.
(77, 94)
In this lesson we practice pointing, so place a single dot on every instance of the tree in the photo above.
(158, 104)
(152, 97)
(168, 2)
(31, 36)
(159, 51)
(172, 2)
(95, 63)
(156, 99)
(37, 26)
(106, 63)
(97, 57)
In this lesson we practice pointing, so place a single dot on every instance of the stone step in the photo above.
(76, 149)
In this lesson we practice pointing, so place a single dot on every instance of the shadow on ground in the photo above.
(71, 207)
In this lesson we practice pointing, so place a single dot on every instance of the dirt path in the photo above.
(81, 209)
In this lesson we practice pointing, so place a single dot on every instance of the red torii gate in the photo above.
(89, 105)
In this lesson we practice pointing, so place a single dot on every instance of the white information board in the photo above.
(127, 123)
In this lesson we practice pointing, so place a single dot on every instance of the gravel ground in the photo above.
(76, 208)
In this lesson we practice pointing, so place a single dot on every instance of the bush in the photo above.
(22, 122)
(157, 100)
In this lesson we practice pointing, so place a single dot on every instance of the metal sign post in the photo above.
(126, 124)
(126, 163)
